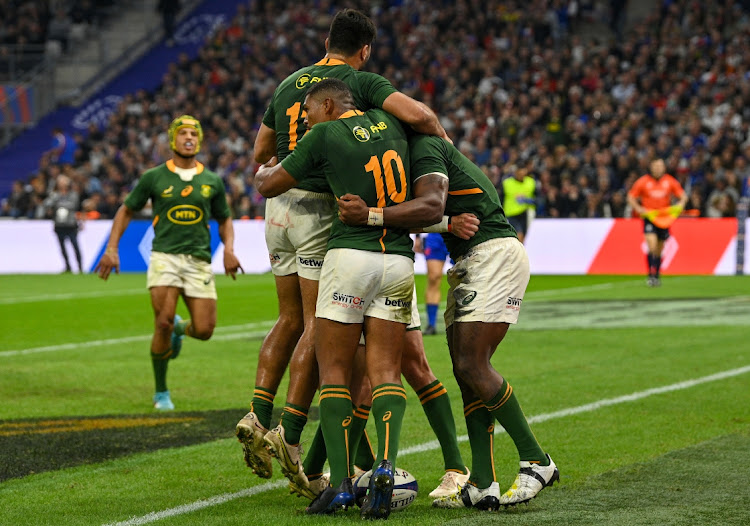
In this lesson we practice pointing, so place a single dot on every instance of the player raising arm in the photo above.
(184, 196)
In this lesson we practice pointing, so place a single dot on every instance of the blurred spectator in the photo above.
(512, 82)
(18, 202)
(169, 10)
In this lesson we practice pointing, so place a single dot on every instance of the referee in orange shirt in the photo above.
(654, 192)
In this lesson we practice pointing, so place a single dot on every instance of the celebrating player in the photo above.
(651, 197)
(367, 278)
(184, 196)
(297, 228)
(487, 285)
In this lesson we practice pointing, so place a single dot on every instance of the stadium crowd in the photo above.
(516, 84)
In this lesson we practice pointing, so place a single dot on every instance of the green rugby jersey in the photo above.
(366, 154)
(285, 116)
(469, 191)
(181, 208)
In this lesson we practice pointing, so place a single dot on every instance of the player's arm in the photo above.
(265, 144)
(272, 179)
(226, 233)
(111, 259)
(414, 113)
(425, 208)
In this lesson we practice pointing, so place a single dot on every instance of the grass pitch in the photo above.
(641, 396)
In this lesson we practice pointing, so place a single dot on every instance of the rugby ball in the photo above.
(405, 488)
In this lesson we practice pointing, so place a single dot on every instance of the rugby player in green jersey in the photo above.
(184, 196)
(487, 285)
(298, 223)
(367, 278)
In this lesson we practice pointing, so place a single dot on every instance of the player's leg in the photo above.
(335, 345)
(385, 341)
(61, 239)
(437, 407)
(310, 216)
(361, 456)
(386, 319)
(202, 320)
(653, 254)
(662, 235)
(346, 288)
(273, 358)
(283, 440)
(432, 293)
(497, 274)
(164, 304)
(435, 253)
(76, 248)
(481, 490)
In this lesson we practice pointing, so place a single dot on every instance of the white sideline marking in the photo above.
(72, 296)
(204, 503)
(583, 288)
(434, 444)
(145, 338)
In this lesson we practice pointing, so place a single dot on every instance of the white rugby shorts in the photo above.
(183, 271)
(359, 283)
(488, 283)
(298, 224)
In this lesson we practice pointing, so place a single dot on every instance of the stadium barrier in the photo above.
(555, 246)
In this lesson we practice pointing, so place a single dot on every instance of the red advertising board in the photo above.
(695, 247)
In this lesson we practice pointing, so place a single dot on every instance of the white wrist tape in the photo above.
(442, 226)
(375, 217)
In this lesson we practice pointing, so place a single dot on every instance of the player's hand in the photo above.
(464, 226)
(110, 260)
(232, 264)
(353, 210)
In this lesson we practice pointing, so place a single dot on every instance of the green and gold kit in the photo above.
(469, 191)
(286, 117)
(181, 208)
(366, 154)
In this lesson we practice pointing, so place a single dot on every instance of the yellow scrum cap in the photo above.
(185, 121)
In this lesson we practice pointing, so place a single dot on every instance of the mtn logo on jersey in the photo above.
(347, 301)
(304, 80)
(185, 214)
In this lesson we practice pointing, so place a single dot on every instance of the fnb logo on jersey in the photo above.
(306, 79)
(185, 214)
(347, 300)
(397, 303)
(310, 262)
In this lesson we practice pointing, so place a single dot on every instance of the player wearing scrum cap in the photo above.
(184, 196)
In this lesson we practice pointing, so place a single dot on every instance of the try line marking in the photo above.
(433, 445)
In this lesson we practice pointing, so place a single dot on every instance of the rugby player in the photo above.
(487, 285)
(652, 193)
(184, 196)
(297, 229)
(367, 278)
